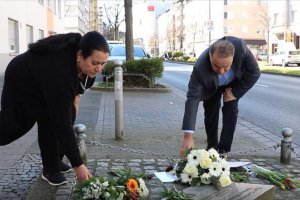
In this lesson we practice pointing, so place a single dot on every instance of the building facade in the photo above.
(20, 25)
(77, 16)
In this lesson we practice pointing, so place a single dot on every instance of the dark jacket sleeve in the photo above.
(58, 87)
(194, 95)
(250, 73)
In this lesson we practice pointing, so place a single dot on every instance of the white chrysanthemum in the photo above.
(213, 154)
(225, 180)
(194, 157)
(205, 163)
(189, 172)
(224, 167)
(215, 169)
(205, 178)
(141, 181)
(105, 184)
(203, 154)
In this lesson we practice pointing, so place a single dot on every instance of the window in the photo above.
(52, 5)
(41, 34)
(225, 15)
(245, 29)
(225, 2)
(59, 8)
(293, 16)
(225, 30)
(13, 35)
(245, 16)
(29, 34)
(275, 18)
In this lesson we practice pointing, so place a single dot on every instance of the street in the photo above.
(273, 103)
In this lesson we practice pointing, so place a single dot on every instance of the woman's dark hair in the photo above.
(222, 48)
(87, 44)
(55, 43)
(92, 41)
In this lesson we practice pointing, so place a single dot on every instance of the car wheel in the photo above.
(283, 63)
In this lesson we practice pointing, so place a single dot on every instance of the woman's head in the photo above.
(92, 54)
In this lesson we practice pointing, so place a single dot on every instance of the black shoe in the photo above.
(64, 168)
(55, 178)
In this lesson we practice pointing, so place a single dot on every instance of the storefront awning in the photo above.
(255, 42)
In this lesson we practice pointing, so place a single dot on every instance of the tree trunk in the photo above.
(129, 31)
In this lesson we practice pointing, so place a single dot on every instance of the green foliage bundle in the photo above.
(152, 68)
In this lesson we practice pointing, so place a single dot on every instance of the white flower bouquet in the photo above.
(203, 167)
(128, 186)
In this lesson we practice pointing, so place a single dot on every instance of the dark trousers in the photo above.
(15, 122)
(211, 121)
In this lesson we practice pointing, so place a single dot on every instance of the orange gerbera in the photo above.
(132, 185)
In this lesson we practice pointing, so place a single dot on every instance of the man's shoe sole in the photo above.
(54, 184)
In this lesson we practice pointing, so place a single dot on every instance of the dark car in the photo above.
(118, 52)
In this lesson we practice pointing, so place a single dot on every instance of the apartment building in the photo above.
(77, 16)
(20, 25)
(284, 25)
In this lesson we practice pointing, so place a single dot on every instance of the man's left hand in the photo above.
(227, 95)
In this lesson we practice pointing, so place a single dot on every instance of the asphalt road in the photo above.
(273, 103)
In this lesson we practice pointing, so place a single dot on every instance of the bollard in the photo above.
(286, 144)
(79, 130)
(118, 75)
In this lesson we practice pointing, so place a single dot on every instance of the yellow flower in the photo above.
(132, 185)
(224, 180)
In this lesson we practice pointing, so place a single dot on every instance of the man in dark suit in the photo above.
(227, 68)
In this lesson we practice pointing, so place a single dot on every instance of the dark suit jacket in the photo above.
(204, 81)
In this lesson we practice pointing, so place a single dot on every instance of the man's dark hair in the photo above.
(223, 48)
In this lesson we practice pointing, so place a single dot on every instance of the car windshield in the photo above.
(120, 51)
(294, 52)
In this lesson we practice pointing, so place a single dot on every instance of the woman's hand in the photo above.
(76, 103)
(82, 173)
(187, 143)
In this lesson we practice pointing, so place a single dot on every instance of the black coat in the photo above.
(204, 81)
(43, 86)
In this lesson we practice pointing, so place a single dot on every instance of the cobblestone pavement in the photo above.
(152, 124)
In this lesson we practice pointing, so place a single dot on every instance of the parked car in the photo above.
(262, 56)
(117, 52)
(285, 57)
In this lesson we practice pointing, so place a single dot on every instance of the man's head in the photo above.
(221, 55)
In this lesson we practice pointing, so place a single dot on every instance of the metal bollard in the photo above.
(79, 130)
(286, 143)
(119, 126)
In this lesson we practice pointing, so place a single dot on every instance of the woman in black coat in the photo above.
(43, 86)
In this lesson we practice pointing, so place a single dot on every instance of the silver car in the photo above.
(285, 57)
(117, 52)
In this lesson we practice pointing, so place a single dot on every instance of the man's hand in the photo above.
(187, 143)
(82, 173)
(227, 95)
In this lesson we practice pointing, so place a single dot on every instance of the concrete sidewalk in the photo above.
(152, 133)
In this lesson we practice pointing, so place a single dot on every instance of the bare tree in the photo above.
(266, 24)
(193, 28)
(113, 11)
(129, 31)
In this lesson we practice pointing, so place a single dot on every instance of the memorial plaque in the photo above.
(236, 191)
